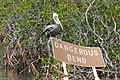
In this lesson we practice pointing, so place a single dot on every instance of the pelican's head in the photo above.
(56, 19)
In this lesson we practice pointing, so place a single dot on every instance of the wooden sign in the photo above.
(77, 55)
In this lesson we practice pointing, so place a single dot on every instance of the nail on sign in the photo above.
(77, 55)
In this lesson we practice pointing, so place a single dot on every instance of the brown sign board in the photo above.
(77, 55)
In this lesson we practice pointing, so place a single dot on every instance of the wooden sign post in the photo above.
(95, 73)
(65, 71)
(77, 55)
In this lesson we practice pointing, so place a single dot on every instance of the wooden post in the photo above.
(64, 67)
(95, 73)
(65, 71)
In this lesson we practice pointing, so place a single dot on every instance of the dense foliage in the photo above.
(94, 23)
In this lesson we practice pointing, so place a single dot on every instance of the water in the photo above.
(2, 74)
(10, 74)
(2, 70)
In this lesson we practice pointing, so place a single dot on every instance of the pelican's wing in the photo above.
(48, 28)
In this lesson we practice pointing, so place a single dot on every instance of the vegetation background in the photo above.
(93, 23)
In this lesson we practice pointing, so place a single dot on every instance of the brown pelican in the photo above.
(53, 29)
